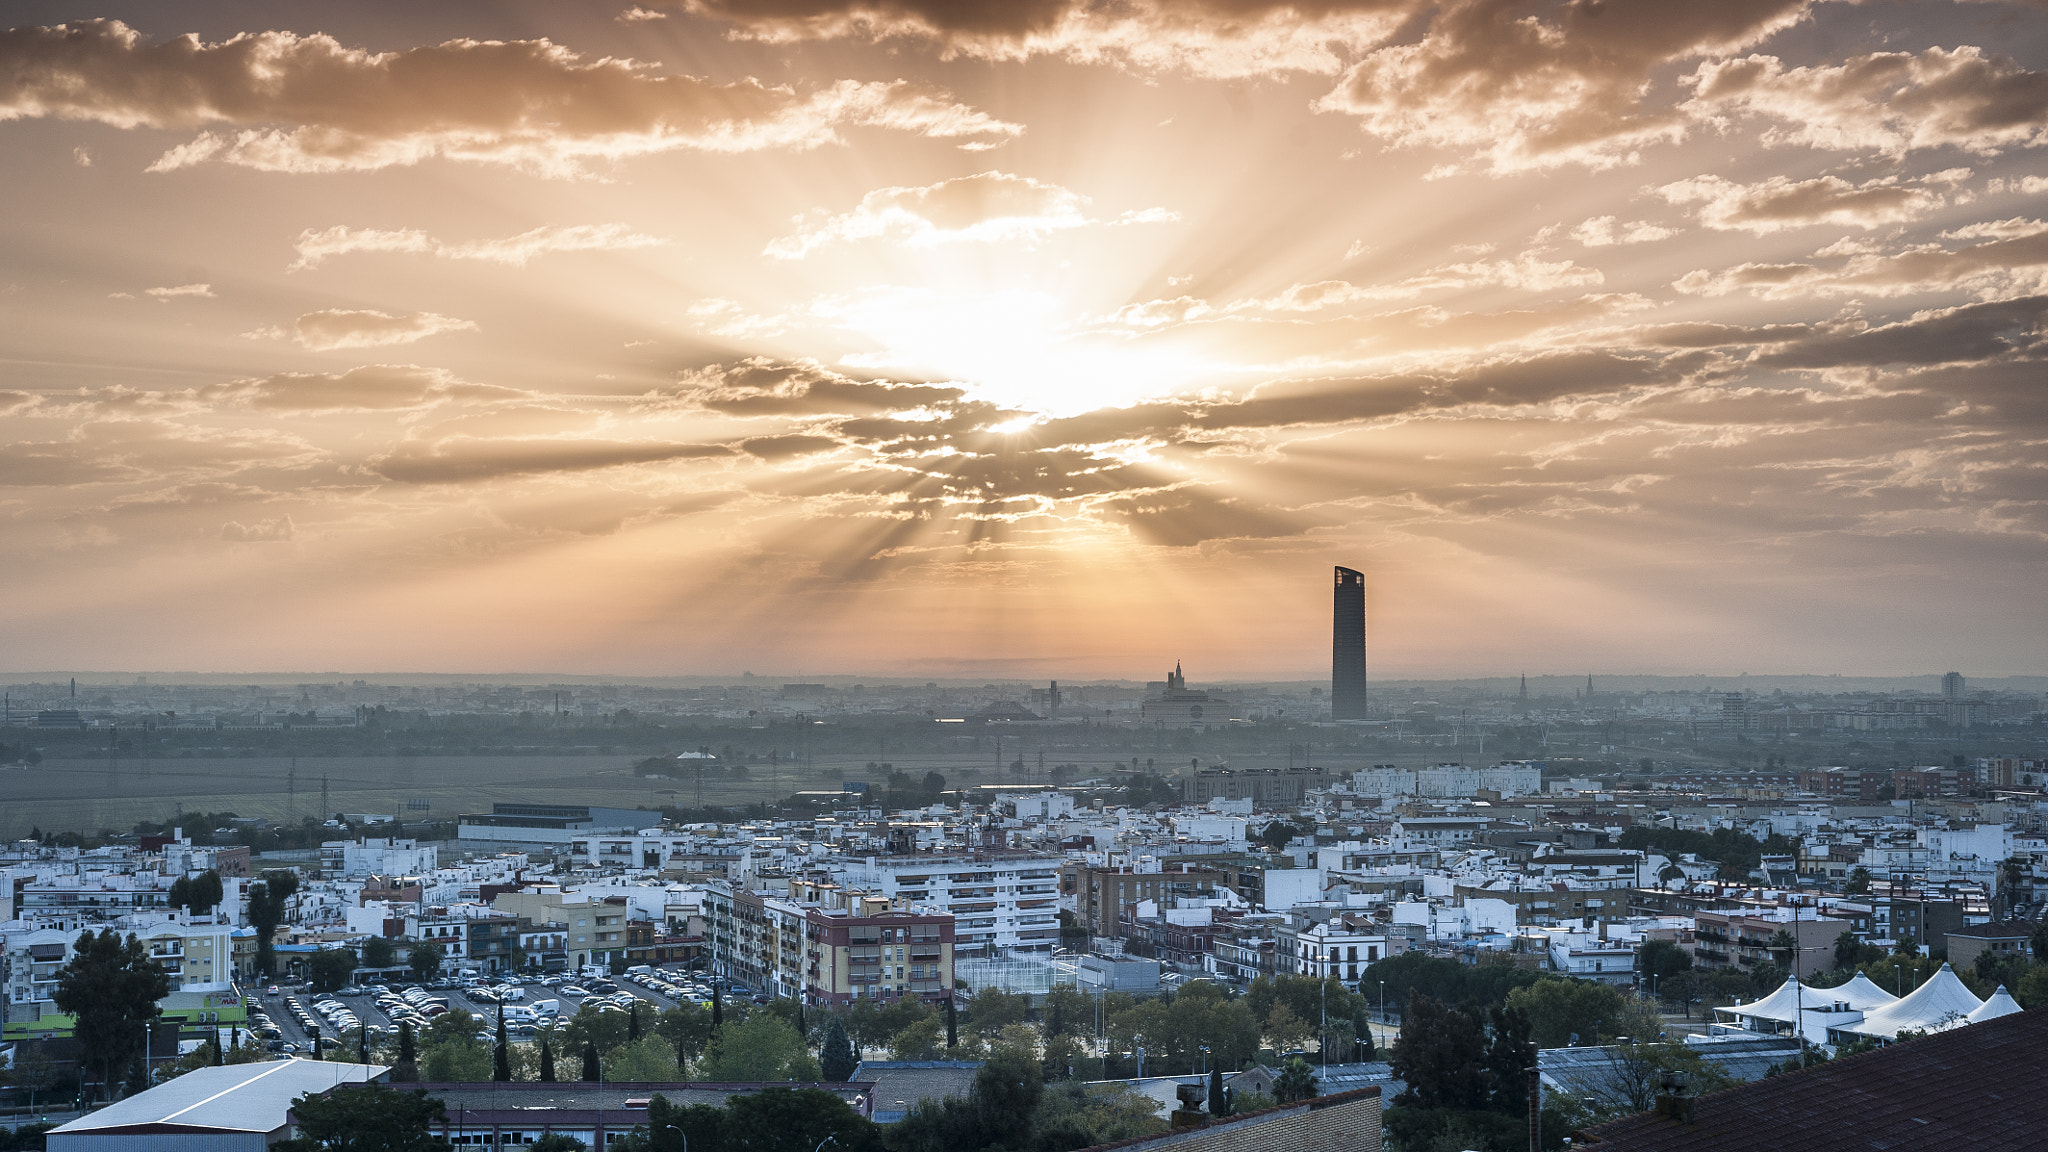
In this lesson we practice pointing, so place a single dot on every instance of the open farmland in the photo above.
(94, 794)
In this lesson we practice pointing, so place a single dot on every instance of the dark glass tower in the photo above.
(1347, 647)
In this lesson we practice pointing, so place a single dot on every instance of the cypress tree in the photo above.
(363, 1044)
(633, 1023)
(547, 1061)
(717, 1009)
(408, 1067)
(592, 1071)
(1218, 1104)
(501, 1060)
(952, 1024)
(837, 1059)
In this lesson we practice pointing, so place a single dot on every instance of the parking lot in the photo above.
(291, 1013)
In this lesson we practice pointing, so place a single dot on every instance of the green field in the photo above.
(89, 795)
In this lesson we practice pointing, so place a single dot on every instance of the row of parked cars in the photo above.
(674, 985)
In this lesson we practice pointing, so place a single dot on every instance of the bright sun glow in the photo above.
(1019, 348)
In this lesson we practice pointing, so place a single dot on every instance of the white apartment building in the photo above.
(1331, 948)
(1448, 781)
(999, 903)
(198, 956)
(354, 860)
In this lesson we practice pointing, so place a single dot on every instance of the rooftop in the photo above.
(230, 1098)
(1966, 1088)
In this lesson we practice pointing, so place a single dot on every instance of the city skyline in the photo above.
(1050, 340)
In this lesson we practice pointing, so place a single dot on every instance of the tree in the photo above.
(1784, 947)
(1006, 1091)
(33, 1070)
(761, 1047)
(1219, 1104)
(837, 1061)
(717, 1009)
(1629, 1081)
(1561, 1009)
(787, 1120)
(992, 1009)
(407, 1068)
(1286, 1031)
(268, 899)
(1297, 1081)
(378, 952)
(197, 894)
(1848, 949)
(592, 1070)
(688, 1027)
(1659, 960)
(424, 957)
(1440, 1056)
(633, 1022)
(365, 1118)
(1859, 881)
(919, 1041)
(2038, 942)
(501, 1055)
(952, 1024)
(607, 1030)
(1510, 1053)
(648, 1060)
(450, 1051)
(557, 1142)
(111, 987)
(547, 1061)
(1059, 1056)
(331, 968)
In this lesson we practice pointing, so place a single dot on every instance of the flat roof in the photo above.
(229, 1098)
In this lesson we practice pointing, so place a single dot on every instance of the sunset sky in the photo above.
(1043, 337)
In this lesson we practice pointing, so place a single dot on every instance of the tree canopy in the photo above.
(366, 1118)
(111, 986)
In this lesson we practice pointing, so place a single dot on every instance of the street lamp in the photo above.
(1323, 971)
(684, 1135)
(825, 1141)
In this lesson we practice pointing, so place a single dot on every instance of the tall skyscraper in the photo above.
(1347, 648)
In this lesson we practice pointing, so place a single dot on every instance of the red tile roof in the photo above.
(1979, 1087)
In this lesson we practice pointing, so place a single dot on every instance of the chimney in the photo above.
(1674, 1097)
(1535, 1110)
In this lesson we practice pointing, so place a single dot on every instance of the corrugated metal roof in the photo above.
(230, 1098)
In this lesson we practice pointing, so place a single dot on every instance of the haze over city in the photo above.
(1048, 339)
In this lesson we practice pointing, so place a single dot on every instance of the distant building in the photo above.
(1741, 939)
(1348, 684)
(1174, 705)
(1102, 894)
(1269, 787)
(550, 823)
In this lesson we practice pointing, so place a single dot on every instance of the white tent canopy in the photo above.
(1940, 1001)
(1783, 1005)
(1862, 994)
(2000, 1004)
